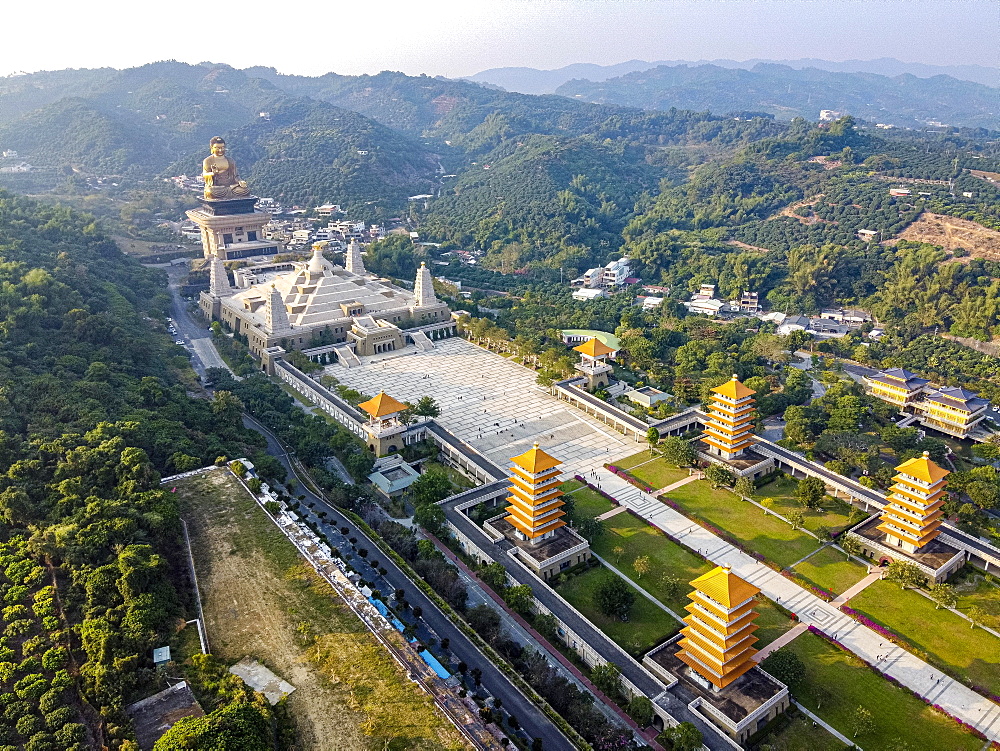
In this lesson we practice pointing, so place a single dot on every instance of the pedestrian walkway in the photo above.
(613, 512)
(854, 591)
(679, 483)
(849, 742)
(952, 696)
(785, 638)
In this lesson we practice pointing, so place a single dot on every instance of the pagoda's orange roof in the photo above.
(733, 389)
(382, 405)
(725, 587)
(594, 348)
(923, 469)
(535, 460)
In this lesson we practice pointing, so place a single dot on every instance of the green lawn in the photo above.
(830, 569)
(630, 461)
(973, 589)
(784, 492)
(666, 558)
(658, 473)
(837, 683)
(771, 623)
(647, 626)
(963, 652)
(798, 733)
(570, 485)
(590, 503)
(764, 533)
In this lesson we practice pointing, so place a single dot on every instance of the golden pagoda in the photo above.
(593, 365)
(718, 639)
(535, 509)
(911, 518)
(731, 416)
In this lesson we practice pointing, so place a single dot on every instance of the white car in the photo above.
(180, 342)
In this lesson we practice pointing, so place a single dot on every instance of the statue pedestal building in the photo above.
(233, 228)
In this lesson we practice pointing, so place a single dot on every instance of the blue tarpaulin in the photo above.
(380, 606)
(436, 666)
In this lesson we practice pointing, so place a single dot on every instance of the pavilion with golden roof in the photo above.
(593, 363)
(384, 429)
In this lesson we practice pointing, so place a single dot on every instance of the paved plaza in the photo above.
(491, 403)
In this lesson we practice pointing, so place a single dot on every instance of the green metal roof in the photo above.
(609, 339)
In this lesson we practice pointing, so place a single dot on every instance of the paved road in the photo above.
(535, 724)
(196, 336)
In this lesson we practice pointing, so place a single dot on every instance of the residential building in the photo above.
(792, 323)
(705, 307)
(951, 410)
(851, 316)
(749, 302)
(867, 234)
(913, 514)
(616, 272)
(897, 386)
(826, 116)
(584, 294)
(826, 329)
(650, 303)
(731, 416)
(900, 192)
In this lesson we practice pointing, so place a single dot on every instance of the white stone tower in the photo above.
(218, 279)
(354, 263)
(275, 314)
(423, 290)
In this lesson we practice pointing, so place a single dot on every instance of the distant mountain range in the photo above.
(535, 81)
(904, 100)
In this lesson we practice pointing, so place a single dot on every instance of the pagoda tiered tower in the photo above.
(731, 416)
(718, 640)
(535, 509)
(913, 514)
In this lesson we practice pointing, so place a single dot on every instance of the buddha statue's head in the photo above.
(218, 146)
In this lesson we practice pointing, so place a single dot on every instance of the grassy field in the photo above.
(784, 492)
(666, 558)
(973, 589)
(262, 599)
(658, 473)
(771, 623)
(801, 734)
(647, 626)
(837, 683)
(590, 503)
(631, 461)
(830, 569)
(764, 533)
(965, 653)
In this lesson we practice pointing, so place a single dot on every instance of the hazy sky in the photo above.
(448, 38)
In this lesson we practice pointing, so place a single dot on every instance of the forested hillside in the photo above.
(902, 100)
(94, 409)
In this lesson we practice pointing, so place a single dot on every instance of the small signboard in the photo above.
(161, 656)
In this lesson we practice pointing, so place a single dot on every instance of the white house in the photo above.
(705, 307)
(586, 293)
(616, 272)
(793, 323)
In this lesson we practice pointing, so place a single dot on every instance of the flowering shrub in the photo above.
(628, 478)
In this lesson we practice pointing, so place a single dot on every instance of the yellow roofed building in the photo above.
(913, 513)
(718, 640)
(593, 363)
(385, 432)
(731, 416)
(535, 509)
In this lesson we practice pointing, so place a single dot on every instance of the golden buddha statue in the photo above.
(219, 171)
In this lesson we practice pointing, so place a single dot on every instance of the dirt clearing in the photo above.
(262, 600)
(951, 232)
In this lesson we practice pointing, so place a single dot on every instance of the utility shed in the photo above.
(156, 714)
